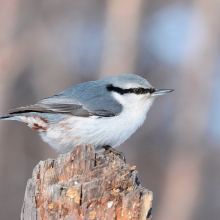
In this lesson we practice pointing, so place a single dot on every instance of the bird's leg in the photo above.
(109, 149)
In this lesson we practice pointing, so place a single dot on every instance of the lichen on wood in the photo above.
(84, 185)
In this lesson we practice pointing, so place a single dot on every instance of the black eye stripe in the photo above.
(134, 90)
(118, 90)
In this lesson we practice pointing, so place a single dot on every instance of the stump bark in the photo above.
(84, 185)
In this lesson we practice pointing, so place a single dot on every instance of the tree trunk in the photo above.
(85, 185)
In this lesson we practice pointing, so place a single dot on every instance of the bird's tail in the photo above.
(7, 117)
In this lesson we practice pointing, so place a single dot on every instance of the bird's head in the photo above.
(133, 89)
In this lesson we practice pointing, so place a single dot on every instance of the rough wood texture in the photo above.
(84, 185)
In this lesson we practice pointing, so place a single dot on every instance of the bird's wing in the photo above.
(74, 101)
(54, 105)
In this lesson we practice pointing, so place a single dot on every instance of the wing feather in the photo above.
(53, 106)
(84, 100)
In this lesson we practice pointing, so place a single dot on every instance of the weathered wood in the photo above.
(85, 185)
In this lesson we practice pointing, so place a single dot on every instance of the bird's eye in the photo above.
(138, 91)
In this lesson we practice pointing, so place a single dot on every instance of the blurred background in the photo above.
(47, 46)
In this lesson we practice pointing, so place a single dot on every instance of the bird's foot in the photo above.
(109, 149)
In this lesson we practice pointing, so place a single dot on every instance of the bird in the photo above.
(102, 113)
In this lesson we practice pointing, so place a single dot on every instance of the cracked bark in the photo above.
(84, 185)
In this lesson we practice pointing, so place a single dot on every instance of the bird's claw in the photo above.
(109, 149)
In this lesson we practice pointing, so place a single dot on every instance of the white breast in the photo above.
(113, 131)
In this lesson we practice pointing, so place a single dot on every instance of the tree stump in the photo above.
(84, 185)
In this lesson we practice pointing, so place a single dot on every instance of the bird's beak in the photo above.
(161, 92)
